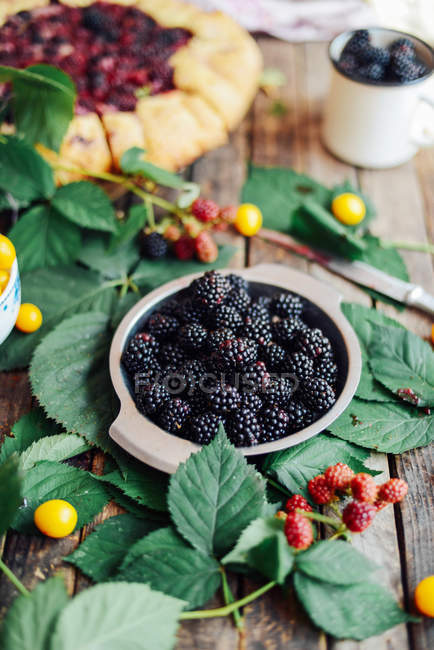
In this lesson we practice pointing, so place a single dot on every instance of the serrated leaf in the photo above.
(403, 363)
(101, 553)
(59, 293)
(349, 612)
(86, 205)
(30, 620)
(23, 172)
(97, 254)
(336, 562)
(392, 428)
(123, 306)
(388, 260)
(150, 274)
(255, 533)
(133, 162)
(273, 557)
(51, 480)
(294, 467)
(136, 220)
(28, 429)
(118, 615)
(214, 495)
(159, 517)
(165, 562)
(42, 237)
(11, 485)
(69, 376)
(35, 104)
(55, 448)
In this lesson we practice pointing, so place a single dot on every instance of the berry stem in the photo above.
(335, 509)
(13, 578)
(422, 247)
(229, 598)
(227, 609)
(341, 532)
(318, 517)
(150, 211)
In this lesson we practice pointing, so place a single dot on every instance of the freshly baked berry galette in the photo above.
(157, 74)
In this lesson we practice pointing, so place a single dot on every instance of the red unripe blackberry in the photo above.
(297, 502)
(228, 213)
(206, 248)
(319, 490)
(298, 531)
(364, 488)
(393, 491)
(338, 476)
(205, 210)
(358, 515)
(184, 248)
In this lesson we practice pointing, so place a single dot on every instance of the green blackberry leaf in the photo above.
(349, 612)
(28, 429)
(132, 162)
(161, 518)
(150, 274)
(69, 376)
(166, 563)
(86, 205)
(391, 428)
(55, 448)
(59, 292)
(294, 467)
(23, 172)
(123, 306)
(10, 485)
(404, 363)
(101, 553)
(273, 557)
(52, 480)
(30, 621)
(388, 260)
(256, 532)
(136, 220)
(214, 495)
(42, 237)
(336, 562)
(97, 254)
(118, 615)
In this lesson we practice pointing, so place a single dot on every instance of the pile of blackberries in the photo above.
(398, 62)
(217, 355)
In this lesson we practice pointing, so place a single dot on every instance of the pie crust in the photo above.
(216, 77)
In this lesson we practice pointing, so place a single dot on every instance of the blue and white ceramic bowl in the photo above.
(10, 301)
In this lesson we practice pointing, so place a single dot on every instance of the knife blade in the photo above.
(358, 272)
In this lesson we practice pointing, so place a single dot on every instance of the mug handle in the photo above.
(425, 137)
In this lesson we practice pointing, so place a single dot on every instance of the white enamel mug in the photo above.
(373, 123)
(10, 301)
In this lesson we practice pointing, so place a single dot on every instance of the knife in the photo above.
(412, 295)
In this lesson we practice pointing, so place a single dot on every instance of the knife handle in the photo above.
(421, 299)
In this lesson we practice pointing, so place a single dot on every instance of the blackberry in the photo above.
(375, 55)
(312, 342)
(192, 337)
(191, 311)
(238, 299)
(256, 378)
(300, 365)
(275, 424)
(210, 289)
(326, 368)
(286, 305)
(274, 356)
(224, 316)
(251, 401)
(218, 336)
(237, 354)
(405, 68)
(171, 354)
(371, 71)
(137, 355)
(318, 394)
(300, 416)
(193, 371)
(152, 399)
(145, 379)
(224, 398)
(278, 391)
(257, 313)
(348, 64)
(203, 428)
(243, 428)
(237, 282)
(198, 401)
(404, 46)
(154, 245)
(357, 43)
(263, 301)
(162, 326)
(174, 415)
(285, 330)
(258, 332)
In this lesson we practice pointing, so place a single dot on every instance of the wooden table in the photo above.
(401, 540)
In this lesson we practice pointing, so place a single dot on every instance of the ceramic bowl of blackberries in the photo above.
(265, 352)
(383, 56)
